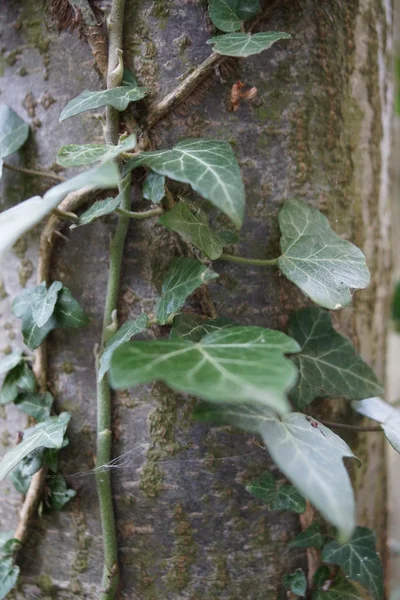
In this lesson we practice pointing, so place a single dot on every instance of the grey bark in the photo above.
(320, 130)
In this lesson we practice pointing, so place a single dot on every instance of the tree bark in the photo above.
(319, 130)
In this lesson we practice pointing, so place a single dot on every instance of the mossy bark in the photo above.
(319, 130)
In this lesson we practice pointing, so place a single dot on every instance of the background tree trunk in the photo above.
(320, 131)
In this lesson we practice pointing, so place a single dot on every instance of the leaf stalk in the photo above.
(249, 261)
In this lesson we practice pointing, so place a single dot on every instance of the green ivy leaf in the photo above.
(124, 334)
(154, 187)
(9, 573)
(78, 155)
(17, 220)
(318, 261)
(10, 361)
(310, 456)
(118, 98)
(8, 544)
(246, 44)
(227, 237)
(359, 560)
(296, 582)
(328, 364)
(183, 277)
(13, 131)
(228, 15)
(44, 301)
(193, 328)
(129, 78)
(312, 536)
(194, 228)
(60, 494)
(239, 364)
(338, 589)
(209, 166)
(284, 497)
(50, 457)
(101, 208)
(49, 434)
(386, 415)
(19, 378)
(20, 481)
(67, 314)
(37, 406)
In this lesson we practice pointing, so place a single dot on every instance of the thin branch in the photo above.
(249, 261)
(146, 214)
(352, 427)
(34, 172)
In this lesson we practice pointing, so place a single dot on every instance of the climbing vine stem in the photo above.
(249, 261)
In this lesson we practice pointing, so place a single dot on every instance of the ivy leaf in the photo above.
(76, 155)
(209, 166)
(44, 301)
(8, 544)
(328, 364)
(239, 364)
(101, 208)
(10, 361)
(19, 378)
(228, 15)
(246, 44)
(9, 573)
(339, 589)
(359, 560)
(310, 457)
(37, 406)
(312, 536)
(124, 334)
(13, 131)
(318, 261)
(228, 237)
(183, 277)
(129, 78)
(386, 415)
(17, 220)
(296, 582)
(193, 328)
(154, 187)
(20, 482)
(284, 497)
(60, 494)
(118, 98)
(67, 314)
(50, 458)
(194, 228)
(49, 434)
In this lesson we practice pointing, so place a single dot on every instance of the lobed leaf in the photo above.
(239, 364)
(19, 378)
(193, 227)
(328, 363)
(118, 98)
(310, 456)
(338, 589)
(296, 582)
(228, 15)
(59, 493)
(78, 155)
(15, 221)
(100, 208)
(310, 537)
(359, 560)
(284, 497)
(44, 301)
(49, 434)
(13, 131)
(37, 406)
(246, 44)
(183, 277)
(209, 166)
(325, 267)
(386, 415)
(193, 328)
(154, 187)
(10, 361)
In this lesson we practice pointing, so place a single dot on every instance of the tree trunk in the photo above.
(319, 130)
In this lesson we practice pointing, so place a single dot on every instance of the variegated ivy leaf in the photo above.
(246, 44)
(337, 588)
(386, 415)
(19, 379)
(37, 406)
(118, 98)
(276, 497)
(59, 493)
(154, 187)
(76, 155)
(296, 582)
(44, 301)
(310, 537)
(10, 361)
(15, 221)
(323, 265)
(194, 227)
(183, 277)
(309, 454)
(124, 334)
(359, 560)
(193, 328)
(49, 434)
(209, 166)
(100, 208)
(67, 314)
(13, 131)
(228, 15)
(328, 364)
(239, 364)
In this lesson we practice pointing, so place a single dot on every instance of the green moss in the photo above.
(45, 583)
(185, 551)
(160, 8)
(68, 367)
(84, 543)
(151, 477)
